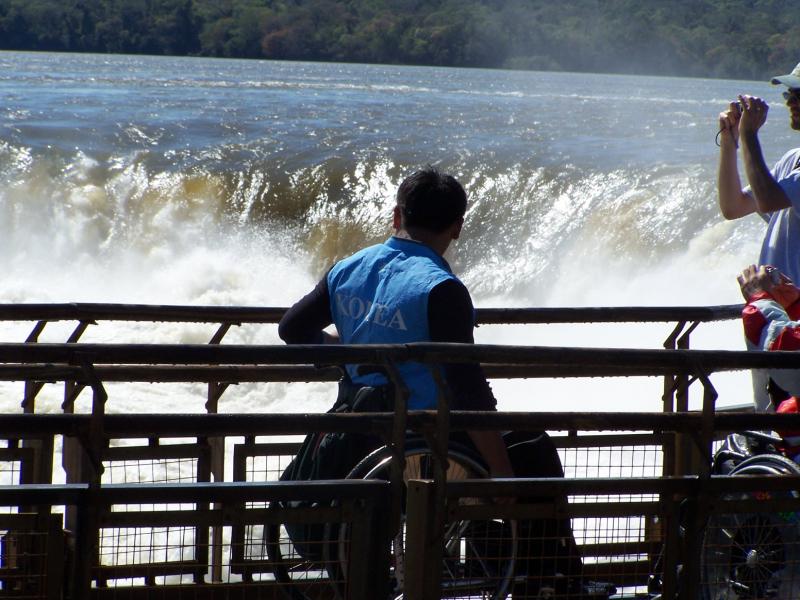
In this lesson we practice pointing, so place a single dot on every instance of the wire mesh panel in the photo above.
(10, 471)
(299, 551)
(547, 562)
(297, 557)
(16, 465)
(301, 556)
(257, 462)
(137, 555)
(32, 554)
(617, 456)
(479, 558)
(538, 556)
(262, 461)
(10, 464)
(625, 548)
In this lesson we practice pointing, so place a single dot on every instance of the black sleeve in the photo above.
(451, 318)
(304, 321)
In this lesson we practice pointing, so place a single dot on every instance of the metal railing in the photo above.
(666, 506)
(668, 502)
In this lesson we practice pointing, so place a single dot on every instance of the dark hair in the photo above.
(431, 200)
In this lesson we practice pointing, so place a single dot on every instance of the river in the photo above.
(205, 181)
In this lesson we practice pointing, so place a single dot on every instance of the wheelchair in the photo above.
(479, 557)
(752, 555)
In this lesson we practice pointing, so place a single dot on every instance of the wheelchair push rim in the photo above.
(467, 569)
(755, 555)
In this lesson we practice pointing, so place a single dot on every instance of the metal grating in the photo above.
(32, 555)
(130, 554)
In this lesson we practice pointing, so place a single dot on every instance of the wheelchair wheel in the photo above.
(479, 557)
(754, 555)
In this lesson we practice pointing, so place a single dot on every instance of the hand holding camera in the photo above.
(753, 114)
(744, 116)
(754, 280)
(729, 123)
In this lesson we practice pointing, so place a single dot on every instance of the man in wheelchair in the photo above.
(771, 321)
(402, 291)
(756, 554)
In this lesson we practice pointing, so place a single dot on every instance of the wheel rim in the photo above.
(463, 570)
(753, 556)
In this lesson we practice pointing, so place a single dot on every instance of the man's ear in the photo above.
(396, 218)
(457, 226)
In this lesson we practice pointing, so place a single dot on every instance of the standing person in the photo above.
(774, 195)
(404, 291)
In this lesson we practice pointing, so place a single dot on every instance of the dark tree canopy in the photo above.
(748, 39)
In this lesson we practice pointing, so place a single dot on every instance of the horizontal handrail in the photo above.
(688, 485)
(621, 360)
(287, 373)
(191, 425)
(608, 314)
(139, 312)
(349, 489)
(80, 494)
(244, 314)
(170, 373)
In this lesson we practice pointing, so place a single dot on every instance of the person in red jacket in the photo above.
(771, 321)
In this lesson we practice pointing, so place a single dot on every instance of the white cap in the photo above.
(791, 80)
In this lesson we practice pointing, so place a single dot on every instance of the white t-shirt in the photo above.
(781, 246)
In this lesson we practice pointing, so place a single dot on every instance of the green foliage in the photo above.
(719, 38)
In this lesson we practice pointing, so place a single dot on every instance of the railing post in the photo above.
(696, 507)
(40, 469)
(674, 400)
(695, 516)
(706, 441)
(439, 445)
(398, 445)
(368, 569)
(74, 456)
(216, 462)
(54, 558)
(670, 382)
(87, 518)
(423, 552)
(672, 547)
(680, 458)
(85, 542)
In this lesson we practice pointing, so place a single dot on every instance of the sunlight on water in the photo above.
(240, 186)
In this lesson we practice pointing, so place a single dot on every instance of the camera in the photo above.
(774, 275)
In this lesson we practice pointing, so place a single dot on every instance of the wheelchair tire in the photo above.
(754, 555)
(479, 557)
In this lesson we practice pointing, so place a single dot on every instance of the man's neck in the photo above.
(438, 241)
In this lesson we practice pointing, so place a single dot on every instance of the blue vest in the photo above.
(379, 295)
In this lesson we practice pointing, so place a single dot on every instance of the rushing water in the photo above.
(201, 181)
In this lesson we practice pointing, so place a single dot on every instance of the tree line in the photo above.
(747, 39)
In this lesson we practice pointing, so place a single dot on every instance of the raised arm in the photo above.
(733, 201)
(768, 195)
